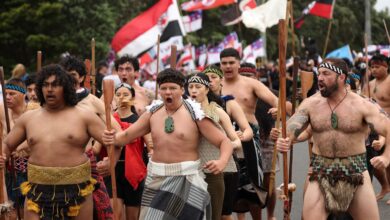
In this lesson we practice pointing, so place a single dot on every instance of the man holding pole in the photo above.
(339, 181)
(59, 182)
(174, 186)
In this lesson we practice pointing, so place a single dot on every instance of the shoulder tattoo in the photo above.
(298, 122)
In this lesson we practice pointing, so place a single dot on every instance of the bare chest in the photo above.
(53, 130)
(242, 94)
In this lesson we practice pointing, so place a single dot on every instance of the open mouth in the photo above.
(169, 100)
(124, 79)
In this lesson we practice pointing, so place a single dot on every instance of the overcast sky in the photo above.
(382, 4)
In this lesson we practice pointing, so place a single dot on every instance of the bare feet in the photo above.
(382, 194)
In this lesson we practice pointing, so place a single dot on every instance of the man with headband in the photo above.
(174, 187)
(15, 91)
(340, 121)
(380, 91)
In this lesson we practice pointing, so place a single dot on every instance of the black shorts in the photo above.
(231, 184)
(124, 189)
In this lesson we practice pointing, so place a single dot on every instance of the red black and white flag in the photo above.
(321, 8)
(233, 14)
(204, 4)
(140, 34)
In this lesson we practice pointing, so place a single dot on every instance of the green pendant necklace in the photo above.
(169, 123)
(334, 121)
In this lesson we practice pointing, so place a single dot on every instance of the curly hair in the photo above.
(63, 79)
(170, 75)
(71, 63)
(126, 58)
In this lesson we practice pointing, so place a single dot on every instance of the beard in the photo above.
(329, 90)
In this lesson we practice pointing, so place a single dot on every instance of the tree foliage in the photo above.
(60, 26)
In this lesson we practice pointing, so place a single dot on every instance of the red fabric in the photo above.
(205, 4)
(135, 169)
(140, 24)
(322, 9)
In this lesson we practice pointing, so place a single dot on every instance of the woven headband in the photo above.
(213, 70)
(332, 67)
(247, 70)
(16, 88)
(197, 79)
(379, 63)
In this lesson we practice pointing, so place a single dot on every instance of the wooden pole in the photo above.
(387, 32)
(291, 19)
(8, 126)
(108, 88)
(93, 71)
(2, 217)
(158, 64)
(271, 184)
(327, 37)
(282, 87)
(366, 89)
(173, 56)
(87, 80)
(39, 61)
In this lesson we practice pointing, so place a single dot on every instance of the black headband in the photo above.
(332, 67)
(197, 79)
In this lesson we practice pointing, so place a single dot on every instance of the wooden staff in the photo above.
(93, 71)
(366, 77)
(271, 184)
(39, 61)
(294, 105)
(282, 88)
(387, 32)
(327, 37)
(173, 56)
(2, 217)
(108, 88)
(291, 19)
(87, 80)
(8, 126)
(158, 64)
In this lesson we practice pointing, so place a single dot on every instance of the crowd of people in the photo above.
(199, 148)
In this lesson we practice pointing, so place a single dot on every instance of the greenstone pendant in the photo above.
(334, 120)
(169, 125)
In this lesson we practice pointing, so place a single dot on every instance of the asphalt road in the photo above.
(300, 166)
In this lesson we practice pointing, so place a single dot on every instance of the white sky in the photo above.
(382, 4)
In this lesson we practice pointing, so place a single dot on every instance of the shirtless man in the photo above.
(174, 186)
(59, 173)
(380, 91)
(339, 132)
(250, 90)
(127, 68)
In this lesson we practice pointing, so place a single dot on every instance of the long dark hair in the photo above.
(65, 80)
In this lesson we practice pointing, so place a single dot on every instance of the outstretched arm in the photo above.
(295, 126)
(228, 127)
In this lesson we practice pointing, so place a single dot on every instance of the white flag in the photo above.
(265, 15)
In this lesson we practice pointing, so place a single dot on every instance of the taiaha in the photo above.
(93, 71)
(8, 126)
(158, 64)
(5, 207)
(294, 104)
(87, 80)
(327, 37)
(39, 61)
(271, 184)
(173, 56)
(108, 88)
(282, 88)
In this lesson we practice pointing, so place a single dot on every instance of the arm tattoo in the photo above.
(298, 122)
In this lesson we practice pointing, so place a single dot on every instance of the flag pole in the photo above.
(93, 71)
(387, 32)
(158, 65)
(291, 19)
(327, 37)
(366, 88)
